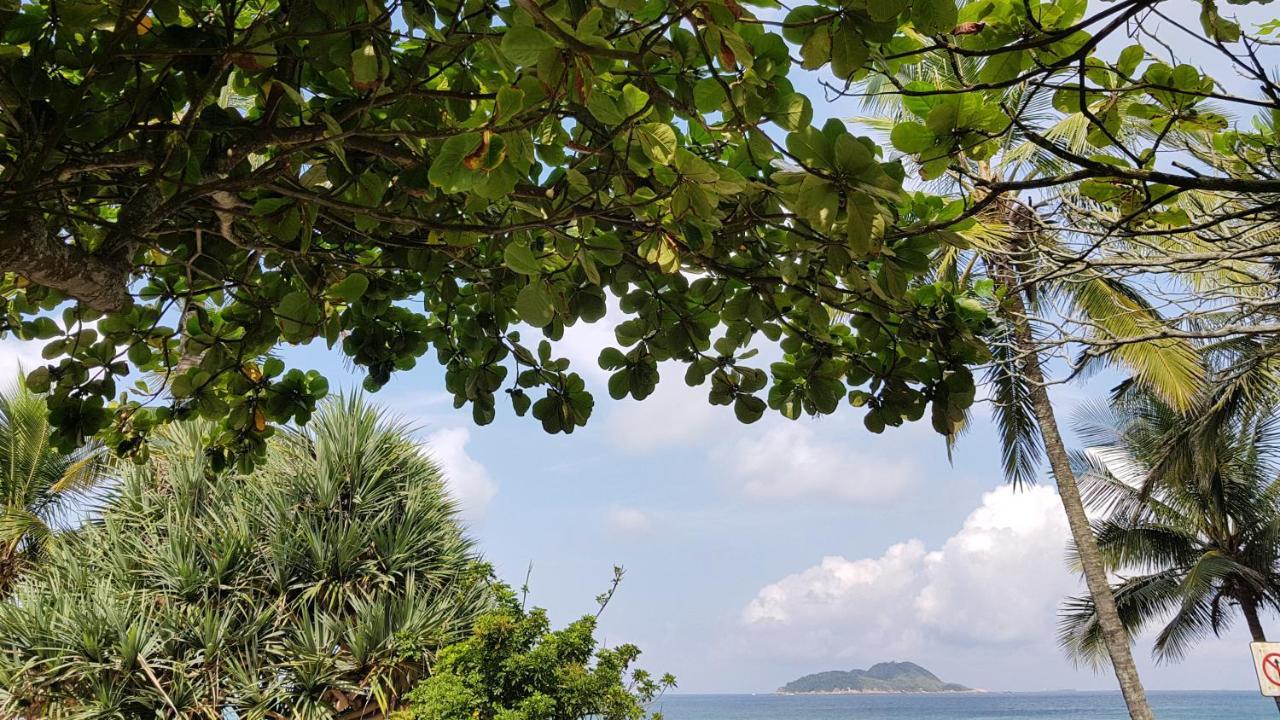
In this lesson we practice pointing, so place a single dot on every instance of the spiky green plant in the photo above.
(319, 586)
(39, 486)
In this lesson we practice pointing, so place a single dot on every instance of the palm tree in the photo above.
(39, 485)
(1189, 518)
(1014, 250)
(321, 585)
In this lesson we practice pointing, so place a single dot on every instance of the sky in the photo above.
(758, 553)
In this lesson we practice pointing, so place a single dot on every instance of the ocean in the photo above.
(975, 706)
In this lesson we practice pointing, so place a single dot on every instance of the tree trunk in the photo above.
(28, 249)
(1114, 634)
(1250, 610)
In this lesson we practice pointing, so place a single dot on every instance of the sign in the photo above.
(1266, 661)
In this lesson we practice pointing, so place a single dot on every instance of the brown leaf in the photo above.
(727, 58)
(968, 28)
(251, 372)
(475, 160)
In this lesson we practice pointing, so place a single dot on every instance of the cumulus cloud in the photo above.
(467, 480)
(789, 460)
(997, 581)
(629, 521)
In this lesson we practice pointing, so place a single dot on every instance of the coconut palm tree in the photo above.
(320, 585)
(39, 485)
(1012, 251)
(1189, 517)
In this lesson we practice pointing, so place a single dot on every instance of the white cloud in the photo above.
(629, 521)
(997, 581)
(582, 343)
(467, 480)
(789, 460)
(674, 415)
(15, 353)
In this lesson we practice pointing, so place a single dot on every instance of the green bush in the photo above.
(321, 585)
(514, 667)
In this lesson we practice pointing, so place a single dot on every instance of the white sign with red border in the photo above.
(1266, 661)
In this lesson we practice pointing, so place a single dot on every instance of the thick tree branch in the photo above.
(26, 248)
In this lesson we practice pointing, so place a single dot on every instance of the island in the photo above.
(885, 677)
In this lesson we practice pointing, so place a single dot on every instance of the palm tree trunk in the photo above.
(1115, 637)
(1250, 610)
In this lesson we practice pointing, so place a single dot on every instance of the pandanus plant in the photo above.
(321, 585)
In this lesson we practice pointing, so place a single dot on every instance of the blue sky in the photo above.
(758, 553)
(755, 554)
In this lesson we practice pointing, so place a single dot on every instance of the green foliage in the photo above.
(438, 178)
(320, 585)
(38, 484)
(515, 667)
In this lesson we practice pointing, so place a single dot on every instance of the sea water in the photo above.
(965, 706)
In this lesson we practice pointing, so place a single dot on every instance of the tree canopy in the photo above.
(208, 180)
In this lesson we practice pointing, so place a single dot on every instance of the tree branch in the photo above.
(26, 248)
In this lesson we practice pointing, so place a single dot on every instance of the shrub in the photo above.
(321, 585)
(514, 667)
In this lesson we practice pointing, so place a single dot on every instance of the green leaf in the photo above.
(139, 354)
(848, 51)
(658, 140)
(801, 22)
(852, 156)
(633, 99)
(534, 304)
(297, 315)
(934, 17)
(816, 51)
(885, 10)
(817, 202)
(351, 288)
(365, 66)
(611, 358)
(865, 224)
(605, 109)
(911, 137)
(1003, 66)
(523, 44)
(619, 384)
(1130, 58)
(748, 408)
(708, 96)
(520, 258)
(945, 117)
(448, 169)
(790, 111)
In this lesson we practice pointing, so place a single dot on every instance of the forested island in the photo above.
(886, 677)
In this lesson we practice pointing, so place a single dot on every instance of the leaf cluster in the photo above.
(207, 181)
